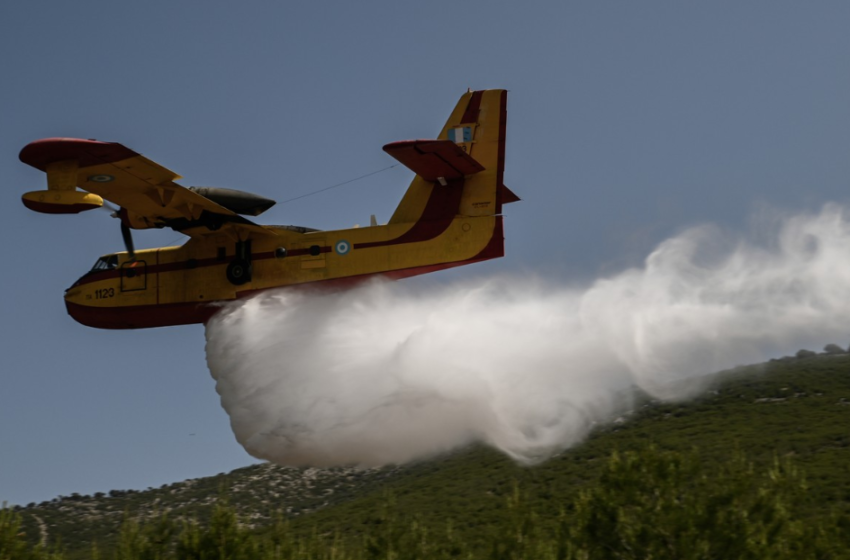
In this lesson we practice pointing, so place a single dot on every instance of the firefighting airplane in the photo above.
(450, 216)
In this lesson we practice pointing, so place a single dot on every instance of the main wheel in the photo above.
(239, 272)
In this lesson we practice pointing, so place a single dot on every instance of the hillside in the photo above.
(798, 408)
(257, 492)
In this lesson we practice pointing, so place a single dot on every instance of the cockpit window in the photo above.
(107, 262)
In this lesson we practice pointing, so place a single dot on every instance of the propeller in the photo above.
(126, 234)
(128, 239)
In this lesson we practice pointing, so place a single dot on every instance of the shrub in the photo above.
(661, 504)
(13, 545)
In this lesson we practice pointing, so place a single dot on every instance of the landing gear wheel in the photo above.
(239, 272)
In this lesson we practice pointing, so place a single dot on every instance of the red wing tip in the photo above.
(63, 141)
(69, 139)
(48, 208)
(40, 153)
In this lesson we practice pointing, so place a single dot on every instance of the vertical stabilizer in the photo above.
(477, 127)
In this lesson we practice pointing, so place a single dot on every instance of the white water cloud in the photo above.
(387, 374)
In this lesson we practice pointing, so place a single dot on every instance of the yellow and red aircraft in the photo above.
(450, 216)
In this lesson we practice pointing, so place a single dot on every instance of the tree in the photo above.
(833, 349)
(223, 538)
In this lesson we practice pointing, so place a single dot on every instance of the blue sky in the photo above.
(628, 122)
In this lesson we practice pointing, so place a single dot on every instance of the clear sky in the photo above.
(628, 121)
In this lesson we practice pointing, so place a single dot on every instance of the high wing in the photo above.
(145, 190)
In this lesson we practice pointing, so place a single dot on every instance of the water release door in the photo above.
(134, 276)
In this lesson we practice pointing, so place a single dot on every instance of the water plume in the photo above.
(388, 373)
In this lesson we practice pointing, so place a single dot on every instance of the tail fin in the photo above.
(462, 172)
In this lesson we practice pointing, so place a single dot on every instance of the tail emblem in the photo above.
(460, 135)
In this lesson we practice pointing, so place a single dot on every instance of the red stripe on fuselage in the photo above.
(439, 212)
(164, 315)
(438, 215)
(187, 265)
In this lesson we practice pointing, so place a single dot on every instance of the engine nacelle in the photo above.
(245, 203)
(61, 202)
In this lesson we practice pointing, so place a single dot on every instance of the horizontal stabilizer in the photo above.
(432, 159)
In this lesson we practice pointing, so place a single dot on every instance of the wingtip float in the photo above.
(451, 215)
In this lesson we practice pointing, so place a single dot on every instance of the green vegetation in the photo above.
(647, 504)
(757, 467)
(13, 545)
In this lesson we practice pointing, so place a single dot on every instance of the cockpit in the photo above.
(106, 262)
(103, 264)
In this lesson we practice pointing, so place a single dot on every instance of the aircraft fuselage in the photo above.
(186, 284)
